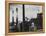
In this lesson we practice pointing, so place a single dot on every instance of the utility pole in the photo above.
(23, 18)
(16, 19)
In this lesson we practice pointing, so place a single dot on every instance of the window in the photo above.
(25, 17)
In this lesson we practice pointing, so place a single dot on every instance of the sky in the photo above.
(30, 11)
